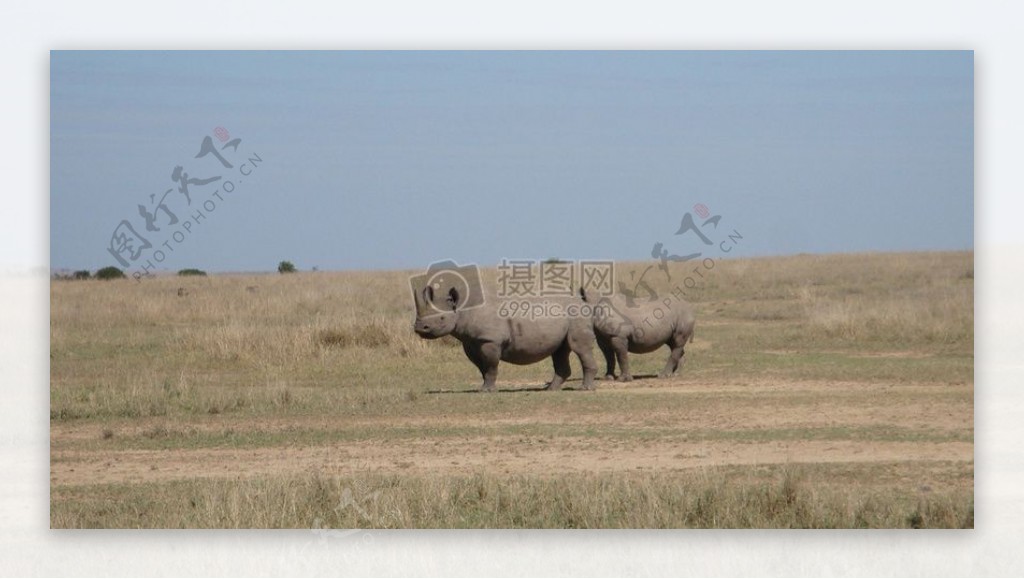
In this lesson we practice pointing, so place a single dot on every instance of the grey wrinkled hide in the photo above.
(488, 338)
(622, 330)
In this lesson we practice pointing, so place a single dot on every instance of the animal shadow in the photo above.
(543, 388)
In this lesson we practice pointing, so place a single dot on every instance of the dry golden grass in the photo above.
(311, 360)
(776, 498)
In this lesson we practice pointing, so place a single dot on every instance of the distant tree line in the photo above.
(105, 273)
(111, 272)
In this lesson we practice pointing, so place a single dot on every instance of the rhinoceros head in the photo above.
(434, 320)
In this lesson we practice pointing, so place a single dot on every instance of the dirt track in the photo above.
(508, 456)
(940, 410)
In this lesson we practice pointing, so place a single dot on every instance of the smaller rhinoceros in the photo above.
(622, 329)
(488, 338)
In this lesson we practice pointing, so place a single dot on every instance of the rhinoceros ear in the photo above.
(453, 299)
(428, 295)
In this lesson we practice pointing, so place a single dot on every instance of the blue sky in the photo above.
(381, 160)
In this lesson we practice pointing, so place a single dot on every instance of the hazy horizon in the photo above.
(485, 266)
(394, 160)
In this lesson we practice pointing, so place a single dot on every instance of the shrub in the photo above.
(82, 274)
(286, 267)
(110, 272)
(191, 271)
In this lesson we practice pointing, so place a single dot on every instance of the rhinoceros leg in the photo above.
(621, 347)
(609, 357)
(676, 343)
(583, 346)
(486, 357)
(562, 368)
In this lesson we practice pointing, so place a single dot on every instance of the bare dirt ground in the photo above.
(494, 455)
(751, 422)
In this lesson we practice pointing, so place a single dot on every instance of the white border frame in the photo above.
(992, 29)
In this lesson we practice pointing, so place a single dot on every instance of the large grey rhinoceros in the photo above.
(488, 338)
(622, 329)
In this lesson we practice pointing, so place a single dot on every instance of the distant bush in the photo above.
(286, 267)
(110, 272)
(82, 274)
(191, 271)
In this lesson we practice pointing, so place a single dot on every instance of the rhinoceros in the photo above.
(489, 338)
(622, 328)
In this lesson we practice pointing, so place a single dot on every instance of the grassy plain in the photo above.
(820, 391)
